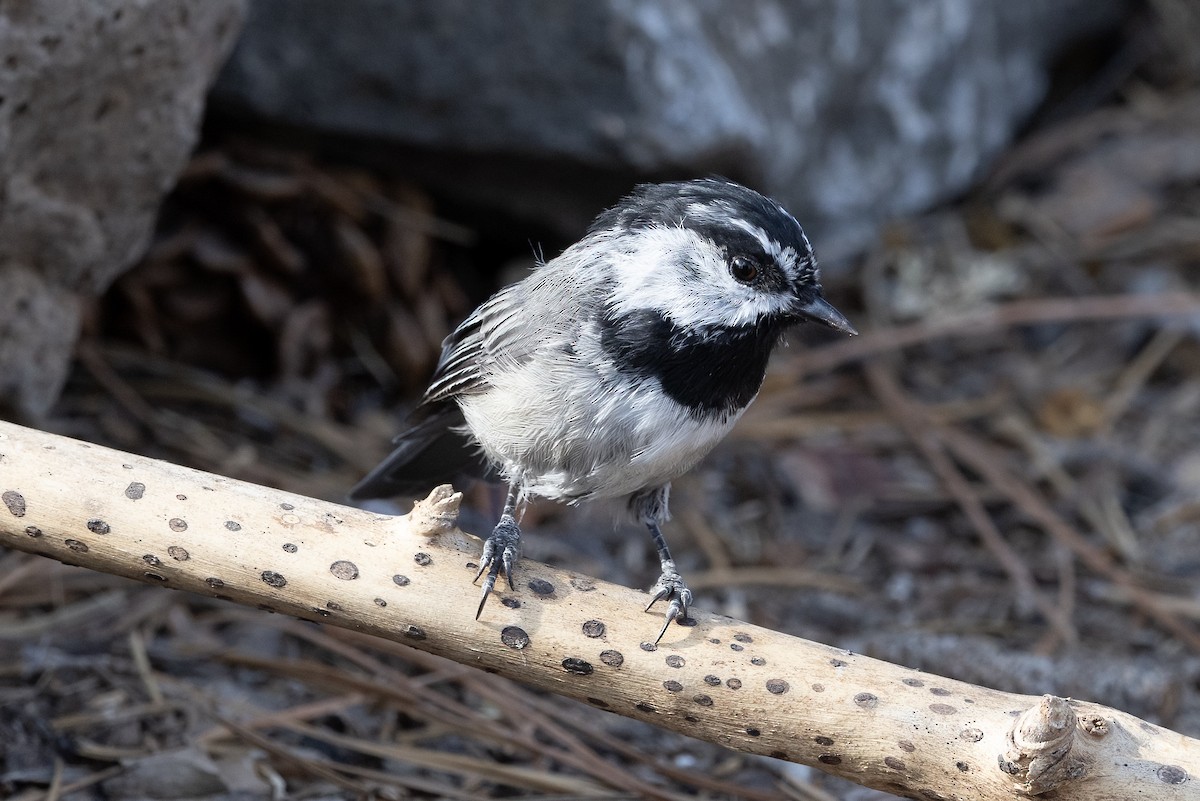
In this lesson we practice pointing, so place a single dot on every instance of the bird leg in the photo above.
(650, 506)
(670, 586)
(501, 550)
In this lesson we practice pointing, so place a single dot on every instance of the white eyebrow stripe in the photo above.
(769, 245)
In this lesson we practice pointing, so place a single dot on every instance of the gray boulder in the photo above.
(100, 104)
(850, 112)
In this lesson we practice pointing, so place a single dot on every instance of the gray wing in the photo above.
(491, 329)
(507, 329)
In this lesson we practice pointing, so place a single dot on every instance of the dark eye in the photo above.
(743, 269)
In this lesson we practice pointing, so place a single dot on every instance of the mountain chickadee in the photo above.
(616, 366)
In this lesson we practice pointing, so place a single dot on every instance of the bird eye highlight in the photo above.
(743, 269)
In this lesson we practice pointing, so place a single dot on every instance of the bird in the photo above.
(613, 368)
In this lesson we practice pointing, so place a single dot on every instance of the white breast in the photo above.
(566, 426)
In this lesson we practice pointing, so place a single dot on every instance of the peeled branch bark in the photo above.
(408, 579)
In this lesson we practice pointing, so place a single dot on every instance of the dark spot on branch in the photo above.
(514, 637)
(135, 491)
(539, 586)
(344, 570)
(98, 526)
(675, 661)
(15, 502)
(400, 581)
(866, 700)
(777, 686)
(612, 658)
(1172, 774)
(273, 579)
(593, 629)
(672, 686)
(423, 559)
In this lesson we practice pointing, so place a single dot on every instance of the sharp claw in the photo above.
(485, 559)
(506, 561)
(508, 535)
(670, 587)
(672, 615)
(663, 593)
(488, 583)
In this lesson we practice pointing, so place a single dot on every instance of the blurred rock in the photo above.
(849, 112)
(99, 109)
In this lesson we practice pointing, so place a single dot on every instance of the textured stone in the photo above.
(849, 112)
(100, 104)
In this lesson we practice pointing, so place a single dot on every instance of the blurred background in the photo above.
(233, 234)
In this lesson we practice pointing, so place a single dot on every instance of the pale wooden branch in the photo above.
(408, 579)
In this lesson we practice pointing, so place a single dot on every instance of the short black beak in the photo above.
(820, 311)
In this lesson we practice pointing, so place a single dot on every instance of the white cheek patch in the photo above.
(681, 274)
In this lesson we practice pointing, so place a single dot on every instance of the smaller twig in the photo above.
(284, 717)
(304, 764)
(986, 461)
(989, 321)
(141, 661)
(1136, 374)
(17, 568)
(926, 436)
(772, 577)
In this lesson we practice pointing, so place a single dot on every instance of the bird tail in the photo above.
(437, 450)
